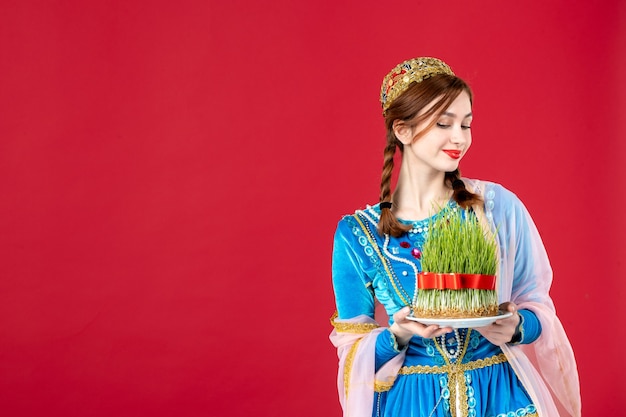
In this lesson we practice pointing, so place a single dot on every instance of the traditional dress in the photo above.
(462, 373)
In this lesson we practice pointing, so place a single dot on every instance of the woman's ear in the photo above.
(403, 131)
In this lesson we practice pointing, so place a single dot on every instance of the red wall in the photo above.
(171, 174)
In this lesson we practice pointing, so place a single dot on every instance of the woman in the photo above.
(411, 369)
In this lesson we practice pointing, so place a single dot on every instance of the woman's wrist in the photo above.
(402, 337)
(517, 336)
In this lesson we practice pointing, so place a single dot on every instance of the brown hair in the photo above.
(445, 89)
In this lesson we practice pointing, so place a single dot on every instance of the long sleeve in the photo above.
(354, 293)
(529, 327)
(362, 345)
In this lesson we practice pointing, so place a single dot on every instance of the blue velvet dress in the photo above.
(460, 374)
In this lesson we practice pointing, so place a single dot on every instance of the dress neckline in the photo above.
(450, 205)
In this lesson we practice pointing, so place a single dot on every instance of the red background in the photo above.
(171, 174)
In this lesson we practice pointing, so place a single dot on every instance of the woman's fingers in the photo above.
(404, 327)
(435, 331)
(499, 332)
(401, 314)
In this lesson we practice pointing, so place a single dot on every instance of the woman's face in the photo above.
(443, 146)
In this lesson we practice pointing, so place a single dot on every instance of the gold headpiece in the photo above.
(413, 70)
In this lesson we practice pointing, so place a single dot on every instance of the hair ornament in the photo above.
(414, 70)
(385, 205)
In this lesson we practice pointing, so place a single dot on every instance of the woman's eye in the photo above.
(442, 125)
(465, 127)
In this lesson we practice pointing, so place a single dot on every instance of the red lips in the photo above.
(452, 153)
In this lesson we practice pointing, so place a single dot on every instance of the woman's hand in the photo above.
(404, 329)
(501, 331)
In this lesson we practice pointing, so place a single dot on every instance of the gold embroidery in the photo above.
(380, 386)
(456, 375)
(382, 258)
(456, 378)
(354, 327)
(470, 366)
(423, 369)
(347, 368)
(343, 327)
(483, 363)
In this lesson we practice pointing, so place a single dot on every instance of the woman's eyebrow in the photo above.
(450, 114)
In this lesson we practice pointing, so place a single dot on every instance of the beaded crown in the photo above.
(413, 70)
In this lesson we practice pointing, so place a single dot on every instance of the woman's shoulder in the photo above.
(498, 200)
(363, 217)
(370, 212)
(490, 190)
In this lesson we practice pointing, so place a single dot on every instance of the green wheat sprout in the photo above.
(458, 243)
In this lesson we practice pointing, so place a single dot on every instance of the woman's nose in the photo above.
(457, 135)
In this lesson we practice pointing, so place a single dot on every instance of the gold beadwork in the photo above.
(413, 70)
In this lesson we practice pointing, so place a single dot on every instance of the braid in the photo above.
(388, 224)
(420, 102)
(385, 182)
(461, 195)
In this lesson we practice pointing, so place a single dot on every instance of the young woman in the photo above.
(515, 366)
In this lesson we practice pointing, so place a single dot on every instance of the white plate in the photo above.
(462, 323)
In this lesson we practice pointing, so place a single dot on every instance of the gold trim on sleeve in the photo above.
(344, 327)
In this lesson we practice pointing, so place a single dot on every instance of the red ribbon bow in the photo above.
(438, 281)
